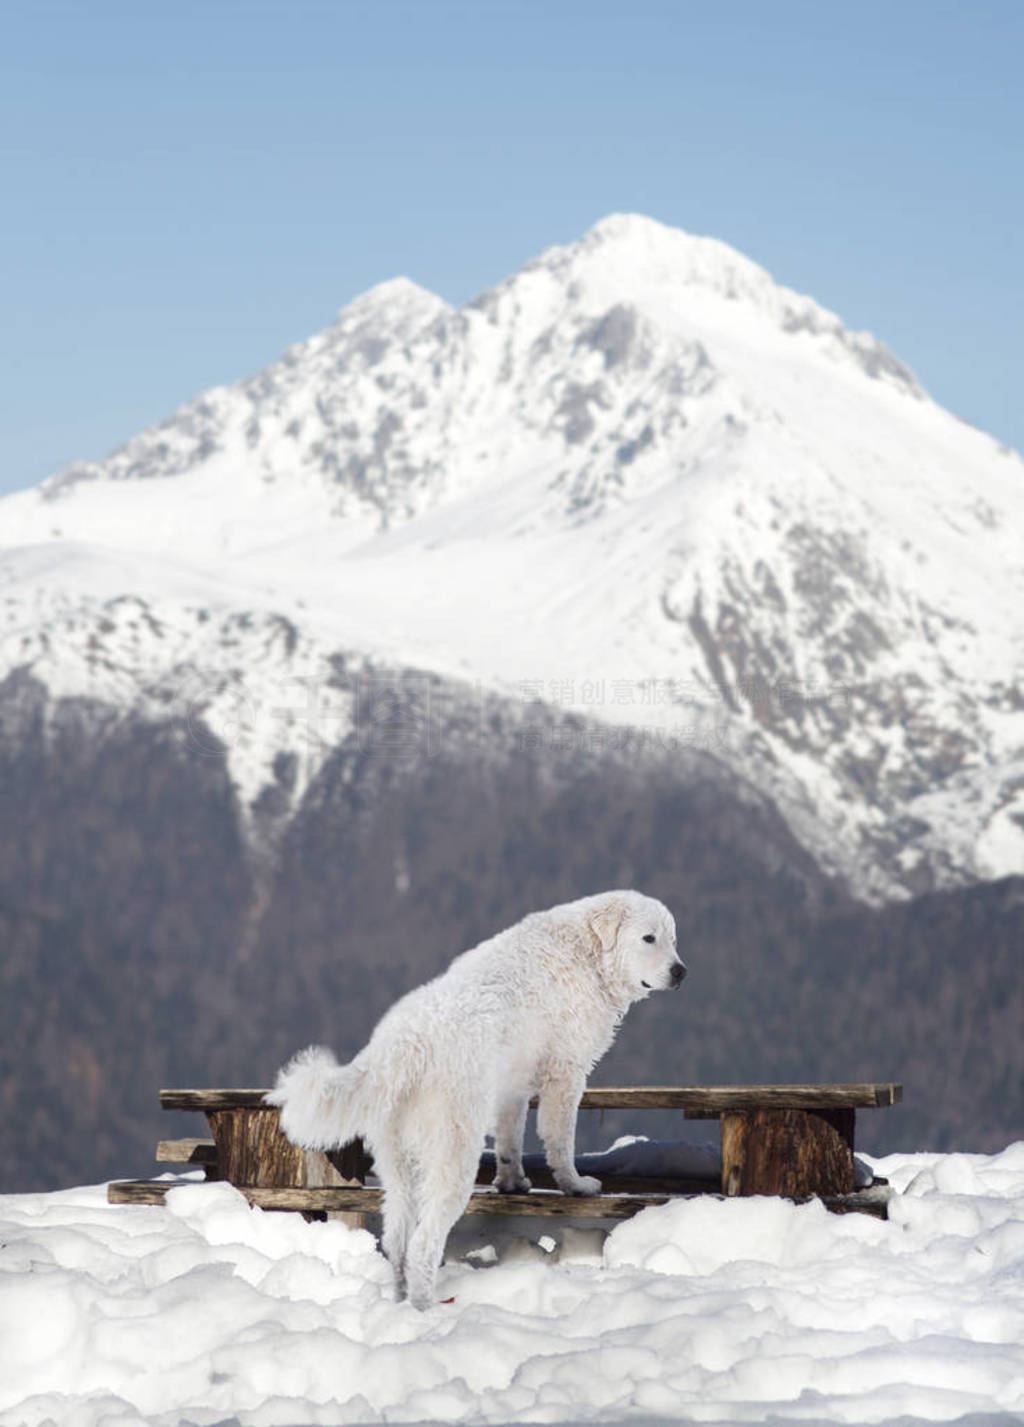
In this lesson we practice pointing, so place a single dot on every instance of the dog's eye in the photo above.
(650, 937)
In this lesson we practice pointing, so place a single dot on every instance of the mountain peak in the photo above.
(650, 236)
(663, 265)
(636, 230)
(396, 295)
(644, 250)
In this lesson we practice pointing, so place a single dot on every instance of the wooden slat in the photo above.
(711, 1100)
(547, 1202)
(873, 1200)
(617, 1183)
(695, 1099)
(599, 1206)
(213, 1099)
(186, 1152)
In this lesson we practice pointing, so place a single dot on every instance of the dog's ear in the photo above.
(605, 921)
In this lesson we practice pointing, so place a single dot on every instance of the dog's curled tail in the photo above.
(321, 1102)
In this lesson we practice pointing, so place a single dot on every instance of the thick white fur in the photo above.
(529, 1011)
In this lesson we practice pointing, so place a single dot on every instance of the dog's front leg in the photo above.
(509, 1175)
(560, 1093)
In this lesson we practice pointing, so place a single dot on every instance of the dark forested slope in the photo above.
(145, 943)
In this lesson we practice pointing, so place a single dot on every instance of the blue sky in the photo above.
(188, 188)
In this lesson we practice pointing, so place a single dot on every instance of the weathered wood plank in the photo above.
(186, 1152)
(368, 1201)
(571, 1206)
(873, 1200)
(614, 1183)
(696, 1099)
(229, 1099)
(703, 1099)
(714, 1099)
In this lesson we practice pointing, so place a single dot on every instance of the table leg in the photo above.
(787, 1152)
(252, 1150)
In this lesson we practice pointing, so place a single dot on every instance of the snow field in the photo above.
(208, 1312)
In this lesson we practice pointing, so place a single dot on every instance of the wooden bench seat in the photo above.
(354, 1204)
(790, 1140)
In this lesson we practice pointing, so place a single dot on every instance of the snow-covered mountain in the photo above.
(637, 480)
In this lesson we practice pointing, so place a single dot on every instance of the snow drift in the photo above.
(758, 1310)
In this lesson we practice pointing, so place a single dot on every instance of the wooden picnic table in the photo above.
(794, 1141)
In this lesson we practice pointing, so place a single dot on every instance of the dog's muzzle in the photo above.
(677, 975)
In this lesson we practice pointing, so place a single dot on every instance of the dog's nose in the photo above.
(677, 974)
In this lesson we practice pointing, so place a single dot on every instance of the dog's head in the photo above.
(637, 935)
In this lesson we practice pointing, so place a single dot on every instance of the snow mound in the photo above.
(709, 1310)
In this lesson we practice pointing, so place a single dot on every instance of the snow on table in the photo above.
(740, 1310)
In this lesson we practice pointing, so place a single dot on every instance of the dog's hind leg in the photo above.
(509, 1175)
(397, 1172)
(448, 1179)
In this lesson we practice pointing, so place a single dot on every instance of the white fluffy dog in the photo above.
(529, 1011)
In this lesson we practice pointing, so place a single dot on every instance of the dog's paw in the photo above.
(580, 1185)
(511, 1184)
